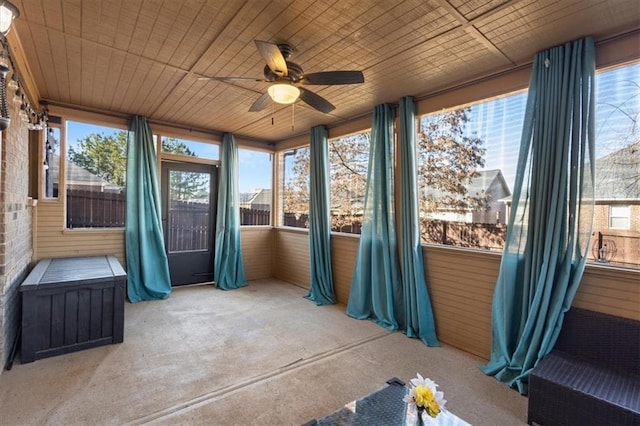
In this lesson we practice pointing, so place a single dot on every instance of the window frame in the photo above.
(64, 146)
(626, 217)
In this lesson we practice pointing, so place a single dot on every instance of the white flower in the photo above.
(423, 392)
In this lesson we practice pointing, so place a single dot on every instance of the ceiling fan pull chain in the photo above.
(293, 116)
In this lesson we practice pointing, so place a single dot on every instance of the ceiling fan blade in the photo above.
(316, 101)
(333, 77)
(273, 57)
(232, 79)
(262, 102)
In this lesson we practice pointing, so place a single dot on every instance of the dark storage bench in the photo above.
(69, 304)
(592, 375)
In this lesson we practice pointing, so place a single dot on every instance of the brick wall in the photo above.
(15, 227)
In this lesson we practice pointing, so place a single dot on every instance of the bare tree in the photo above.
(348, 159)
(448, 160)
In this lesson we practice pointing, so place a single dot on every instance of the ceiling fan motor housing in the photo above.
(294, 70)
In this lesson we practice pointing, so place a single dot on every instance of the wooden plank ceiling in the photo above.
(144, 57)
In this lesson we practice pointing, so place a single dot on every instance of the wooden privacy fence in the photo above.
(488, 236)
(94, 209)
(255, 217)
(188, 226)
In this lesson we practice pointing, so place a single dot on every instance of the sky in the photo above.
(499, 122)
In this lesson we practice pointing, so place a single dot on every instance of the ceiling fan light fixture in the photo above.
(283, 93)
(8, 12)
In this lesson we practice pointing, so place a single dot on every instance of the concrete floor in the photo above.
(258, 355)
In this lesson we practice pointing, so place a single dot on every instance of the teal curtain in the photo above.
(321, 291)
(147, 267)
(419, 320)
(228, 266)
(552, 213)
(376, 288)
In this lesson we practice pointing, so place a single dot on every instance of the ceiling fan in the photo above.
(286, 77)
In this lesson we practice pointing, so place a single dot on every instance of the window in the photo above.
(348, 161)
(190, 148)
(95, 176)
(254, 179)
(616, 232)
(466, 169)
(619, 217)
(51, 164)
(296, 188)
(467, 163)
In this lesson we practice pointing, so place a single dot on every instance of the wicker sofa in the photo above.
(592, 376)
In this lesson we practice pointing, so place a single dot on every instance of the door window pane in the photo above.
(190, 148)
(189, 206)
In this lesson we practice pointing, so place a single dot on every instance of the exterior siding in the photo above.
(257, 251)
(344, 250)
(611, 291)
(460, 283)
(292, 257)
(53, 240)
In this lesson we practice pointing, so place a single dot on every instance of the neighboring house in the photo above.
(490, 183)
(616, 227)
(260, 199)
(77, 179)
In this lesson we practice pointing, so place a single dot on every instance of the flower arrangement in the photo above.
(425, 397)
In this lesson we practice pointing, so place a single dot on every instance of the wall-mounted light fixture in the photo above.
(8, 12)
(33, 119)
(283, 93)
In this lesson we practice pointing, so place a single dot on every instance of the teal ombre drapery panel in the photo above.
(417, 304)
(228, 266)
(552, 213)
(376, 287)
(321, 291)
(147, 267)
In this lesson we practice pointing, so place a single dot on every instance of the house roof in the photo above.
(76, 175)
(478, 185)
(618, 174)
(146, 57)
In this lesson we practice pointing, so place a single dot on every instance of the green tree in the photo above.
(173, 146)
(106, 156)
(184, 185)
(103, 155)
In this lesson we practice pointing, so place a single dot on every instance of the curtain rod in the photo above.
(124, 116)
